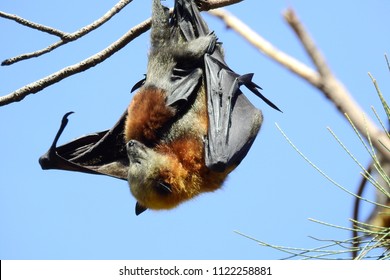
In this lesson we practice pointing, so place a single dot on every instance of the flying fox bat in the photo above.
(187, 127)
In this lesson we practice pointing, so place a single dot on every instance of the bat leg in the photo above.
(187, 76)
(196, 48)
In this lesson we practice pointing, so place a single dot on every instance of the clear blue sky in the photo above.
(270, 196)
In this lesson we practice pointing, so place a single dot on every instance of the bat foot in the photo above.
(197, 48)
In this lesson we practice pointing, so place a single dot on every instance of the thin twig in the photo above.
(33, 25)
(65, 37)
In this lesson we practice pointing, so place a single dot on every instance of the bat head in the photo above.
(151, 176)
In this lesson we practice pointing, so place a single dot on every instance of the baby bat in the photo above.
(187, 127)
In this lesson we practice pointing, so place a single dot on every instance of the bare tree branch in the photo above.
(92, 61)
(65, 37)
(69, 37)
(76, 68)
(323, 79)
(336, 91)
(266, 47)
(33, 25)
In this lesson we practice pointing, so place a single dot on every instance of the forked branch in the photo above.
(65, 37)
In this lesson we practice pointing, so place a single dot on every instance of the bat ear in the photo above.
(139, 208)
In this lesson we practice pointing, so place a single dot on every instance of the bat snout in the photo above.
(136, 151)
(134, 144)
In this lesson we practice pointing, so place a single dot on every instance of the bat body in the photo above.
(167, 120)
(171, 167)
(187, 127)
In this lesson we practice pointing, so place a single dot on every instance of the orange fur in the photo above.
(187, 173)
(147, 114)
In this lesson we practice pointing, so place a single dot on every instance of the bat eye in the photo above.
(164, 188)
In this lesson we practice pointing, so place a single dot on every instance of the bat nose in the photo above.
(134, 144)
(131, 143)
(136, 151)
